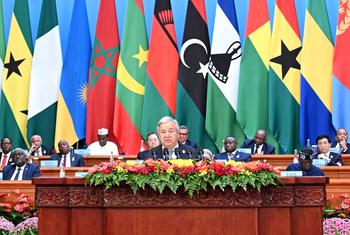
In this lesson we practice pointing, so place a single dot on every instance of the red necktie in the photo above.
(3, 162)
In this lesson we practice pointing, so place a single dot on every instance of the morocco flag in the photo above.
(102, 80)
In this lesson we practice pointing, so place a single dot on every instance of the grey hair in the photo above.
(18, 150)
(33, 136)
(166, 119)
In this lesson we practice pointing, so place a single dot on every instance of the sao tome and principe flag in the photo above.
(2, 45)
(16, 77)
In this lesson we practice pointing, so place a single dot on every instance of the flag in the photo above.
(131, 79)
(253, 99)
(223, 77)
(341, 72)
(2, 45)
(102, 80)
(71, 105)
(284, 77)
(45, 76)
(316, 69)
(193, 71)
(16, 77)
(162, 66)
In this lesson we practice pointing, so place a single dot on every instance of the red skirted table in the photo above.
(68, 206)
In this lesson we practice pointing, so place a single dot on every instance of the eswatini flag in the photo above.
(162, 67)
(102, 80)
(131, 79)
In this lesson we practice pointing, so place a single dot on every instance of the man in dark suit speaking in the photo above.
(231, 152)
(65, 157)
(170, 148)
(258, 145)
(20, 170)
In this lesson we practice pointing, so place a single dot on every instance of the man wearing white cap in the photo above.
(103, 146)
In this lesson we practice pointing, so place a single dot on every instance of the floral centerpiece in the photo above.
(173, 174)
(17, 214)
(337, 216)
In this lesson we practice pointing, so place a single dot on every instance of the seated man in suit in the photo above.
(341, 142)
(258, 145)
(37, 148)
(20, 170)
(103, 146)
(152, 142)
(324, 145)
(6, 156)
(170, 148)
(65, 157)
(183, 137)
(305, 164)
(231, 152)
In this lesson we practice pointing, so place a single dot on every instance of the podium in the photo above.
(69, 206)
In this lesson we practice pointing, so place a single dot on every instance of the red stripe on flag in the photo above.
(163, 64)
(258, 15)
(140, 4)
(199, 5)
(287, 7)
(128, 136)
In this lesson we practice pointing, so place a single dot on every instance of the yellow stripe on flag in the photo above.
(260, 38)
(16, 87)
(284, 32)
(316, 64)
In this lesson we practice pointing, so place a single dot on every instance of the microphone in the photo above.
(177, 153)
(154, 155)
(189, 154)
(200, 154)
(166, 154)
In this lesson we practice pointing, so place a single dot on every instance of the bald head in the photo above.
(260, 137)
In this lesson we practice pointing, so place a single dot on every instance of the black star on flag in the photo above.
(12, 66)
(287, 59)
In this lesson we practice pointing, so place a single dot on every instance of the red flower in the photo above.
(218, 167)
(164, 165)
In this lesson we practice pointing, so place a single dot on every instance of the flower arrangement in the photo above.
(338, 207)
(173, 174)
(18, 209)
(335, 226)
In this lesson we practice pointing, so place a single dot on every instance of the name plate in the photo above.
(319, 162)
(291, 173)
(0, 175)
(80, 174)
(48, 163)
(221, 160)
(335, 150)
(245, 150)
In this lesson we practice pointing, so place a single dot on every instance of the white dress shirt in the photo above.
(260, 149)
(96, 149)
(68, 160)
(20, 177)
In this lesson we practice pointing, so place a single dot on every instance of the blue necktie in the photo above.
(17, 174)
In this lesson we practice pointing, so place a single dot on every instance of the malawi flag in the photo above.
(2, 44)
(193, 71)
(71, 107)
(253, 99)
(131, 79)
(102, 80)
(316, 69)
(284, 80)
(45, 76)
(341, 71)
(223, 77)
(162, 66)
(16, 77)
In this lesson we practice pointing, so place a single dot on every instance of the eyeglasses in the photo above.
(183, 134)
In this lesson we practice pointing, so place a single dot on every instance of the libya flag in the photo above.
(193, 74)
(162, 66)
(16, 77)
(284, 77)
(45, 76)
(253, 98)
(102, 80)
(131, 79)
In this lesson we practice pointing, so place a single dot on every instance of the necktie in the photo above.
(230, 156)
(64, 160)
(256, 149)
(171, 151)
(3, 162)
(17, 174)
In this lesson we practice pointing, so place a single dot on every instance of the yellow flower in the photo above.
(234, 163)
(203, 173)
(245, 172)
(131, 163)
(181, 162)
(170, 170)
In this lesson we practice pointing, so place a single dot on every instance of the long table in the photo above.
(294, 208)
